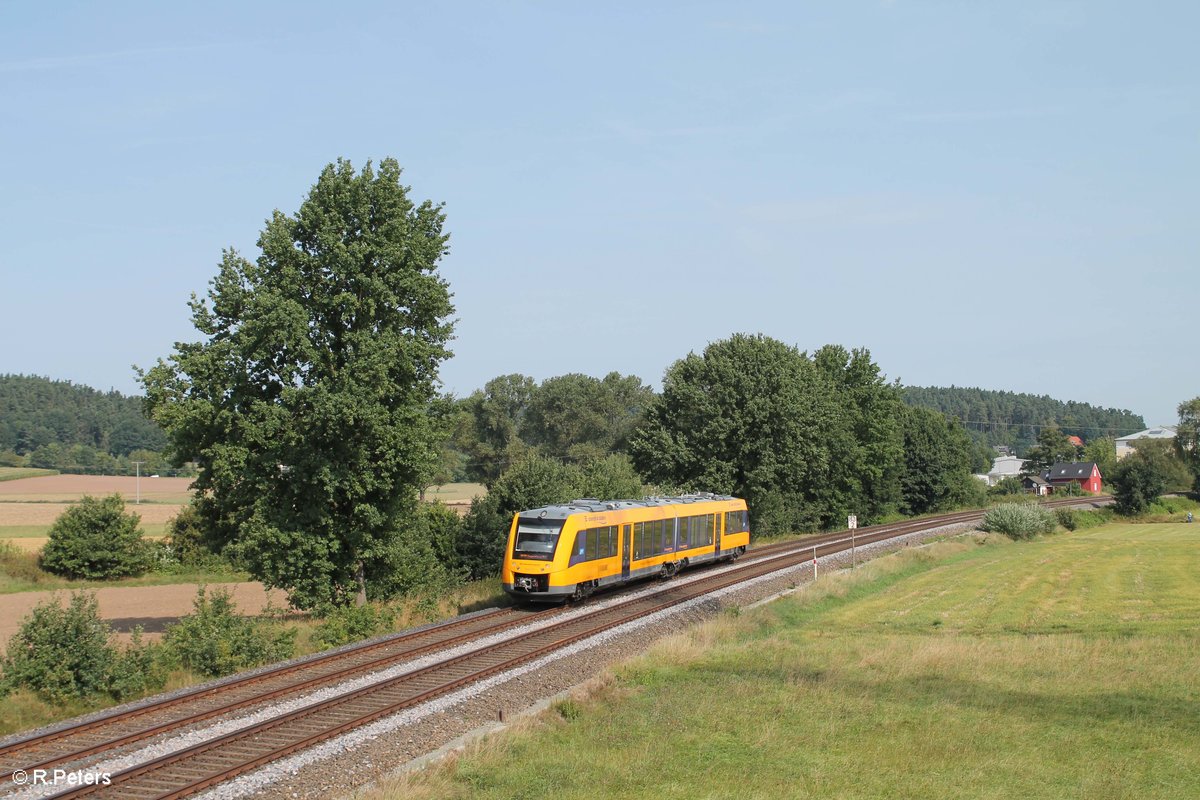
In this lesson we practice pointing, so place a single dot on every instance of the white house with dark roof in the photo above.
(1005, 467)
(1125, 445)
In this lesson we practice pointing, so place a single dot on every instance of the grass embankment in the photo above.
(1061, 667)
(23, 709)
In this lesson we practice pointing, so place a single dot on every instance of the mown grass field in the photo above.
(455, 492)
(1059, 668)
(17, 473)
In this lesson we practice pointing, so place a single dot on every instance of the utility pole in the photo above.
(138, 467)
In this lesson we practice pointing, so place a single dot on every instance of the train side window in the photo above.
(591, 543)
(577, 552)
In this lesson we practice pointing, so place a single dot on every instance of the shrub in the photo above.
(346, 624)
(215, 640)
(18, 564)
(96, 539)
(1008, 485)
(138, 669)
(188, 544)
(1066, 518)
(1091, 518)
(67, 653)
(1021, 521)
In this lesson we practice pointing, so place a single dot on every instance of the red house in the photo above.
(1085, 473)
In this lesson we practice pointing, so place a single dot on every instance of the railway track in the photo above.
(200, 766)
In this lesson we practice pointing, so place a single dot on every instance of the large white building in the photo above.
(1125, 444)
(1004, 467)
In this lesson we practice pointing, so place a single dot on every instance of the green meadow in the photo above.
(1064, 667)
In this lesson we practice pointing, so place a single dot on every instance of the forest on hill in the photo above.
(60, 424)
(1009, 418)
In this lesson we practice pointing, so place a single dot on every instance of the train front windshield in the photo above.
(537, 538)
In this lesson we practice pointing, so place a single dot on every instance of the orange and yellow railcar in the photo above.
(562, 552)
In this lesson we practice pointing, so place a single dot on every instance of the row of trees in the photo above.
(84, 460)
(571, 417)
(805, 439)
(36, 412)
(310, 405)
(1016, 419)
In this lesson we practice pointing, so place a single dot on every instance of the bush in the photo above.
(1091, 518)
(214, 640)
(186, 547)
(20, 565)
(1066, 518)
(96, 539)
(1020, 521)
(68, 653)
(1008, 485)
(346, 624)
(138, 669)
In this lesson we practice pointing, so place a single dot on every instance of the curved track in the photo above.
(198, 767)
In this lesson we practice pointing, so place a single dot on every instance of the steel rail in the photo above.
(528, 646)
(318, 667)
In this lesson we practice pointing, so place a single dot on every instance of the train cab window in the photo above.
(537, 538)
(737, 522)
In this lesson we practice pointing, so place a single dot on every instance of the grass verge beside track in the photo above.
(1062, 667)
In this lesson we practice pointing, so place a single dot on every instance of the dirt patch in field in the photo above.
(45, 513)
(152, 607)
(67, 488)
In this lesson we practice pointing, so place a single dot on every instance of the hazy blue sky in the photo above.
(994, 194)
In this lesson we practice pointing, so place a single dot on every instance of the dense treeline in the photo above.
(62, 425)
(1012, 419)
(805, 439)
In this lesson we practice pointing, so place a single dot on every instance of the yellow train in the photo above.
(568, 551)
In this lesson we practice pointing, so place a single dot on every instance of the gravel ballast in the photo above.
(364, 756)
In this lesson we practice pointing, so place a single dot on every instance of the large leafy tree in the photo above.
(579, 417)
(870, 455)
(307, 402)
(1141, 477)
(1103, 451)
(1053, 446)
(938, 456)
(1187, 437)
(490, 433)
(751, 416)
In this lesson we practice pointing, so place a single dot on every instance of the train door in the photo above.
(626, 547)
(718, 519)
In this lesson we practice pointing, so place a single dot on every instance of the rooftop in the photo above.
(591, 505)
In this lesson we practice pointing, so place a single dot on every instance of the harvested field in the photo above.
(455, 493)
(70, 488)
(152, 607)
(33, 540)
(18, 514)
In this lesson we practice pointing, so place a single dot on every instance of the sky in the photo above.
(993, 194)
